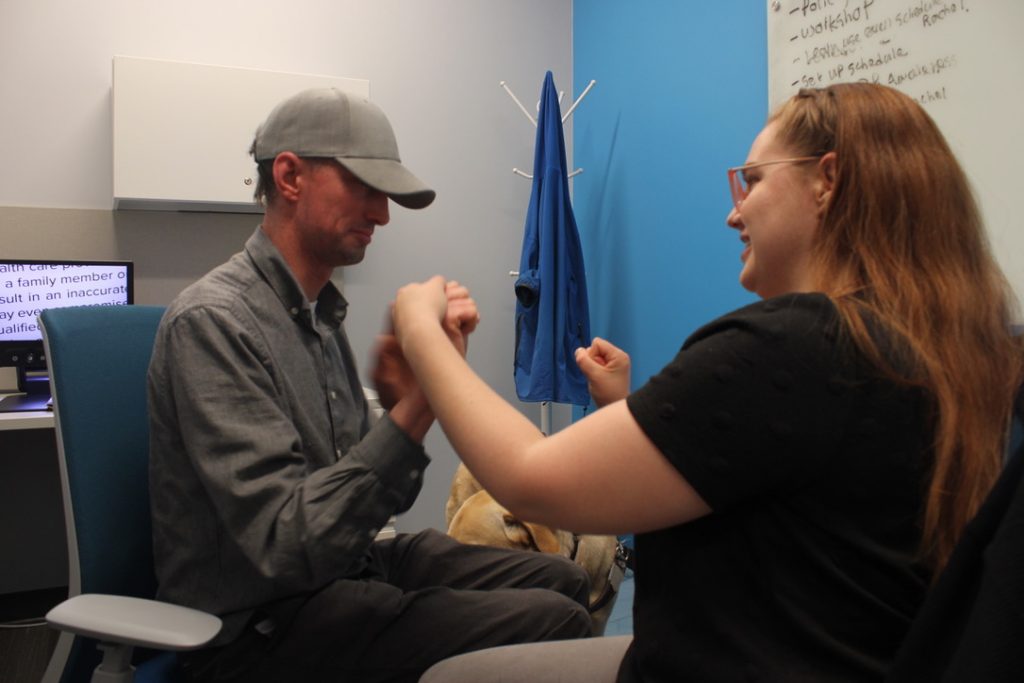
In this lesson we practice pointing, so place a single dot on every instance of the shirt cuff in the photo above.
(398, 460)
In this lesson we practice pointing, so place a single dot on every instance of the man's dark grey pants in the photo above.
(424, 598)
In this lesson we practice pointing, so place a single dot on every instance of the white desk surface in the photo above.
(31, 419)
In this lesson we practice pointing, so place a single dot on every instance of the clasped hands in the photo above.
(606, 367)
(444, 302)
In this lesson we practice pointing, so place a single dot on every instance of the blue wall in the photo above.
(681, 92)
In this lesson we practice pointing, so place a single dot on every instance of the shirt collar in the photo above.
(331, 305)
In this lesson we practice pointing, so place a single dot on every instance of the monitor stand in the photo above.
(34, 394)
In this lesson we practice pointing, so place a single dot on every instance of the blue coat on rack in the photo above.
(552, 314)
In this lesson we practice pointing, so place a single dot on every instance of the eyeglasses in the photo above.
(740, 187)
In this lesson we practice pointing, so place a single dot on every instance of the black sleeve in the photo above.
(754, 402)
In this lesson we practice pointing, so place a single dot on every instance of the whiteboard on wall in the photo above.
(963, 60)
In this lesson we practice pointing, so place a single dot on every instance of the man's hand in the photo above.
(392, 377)
(416, 304)
(606, 368)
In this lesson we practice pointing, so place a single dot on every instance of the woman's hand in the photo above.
(606, 368)
(461, 316)
(418, 304)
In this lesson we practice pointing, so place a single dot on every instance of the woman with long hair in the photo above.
(800, 471)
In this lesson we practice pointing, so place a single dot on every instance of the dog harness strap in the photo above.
(575, 546)
(623, 559)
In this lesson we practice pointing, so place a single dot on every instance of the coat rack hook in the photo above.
(520, 104)
(578, 100)
(565, 117)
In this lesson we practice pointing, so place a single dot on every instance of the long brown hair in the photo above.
(901, 243)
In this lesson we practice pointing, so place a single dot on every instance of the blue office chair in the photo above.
(98, 360)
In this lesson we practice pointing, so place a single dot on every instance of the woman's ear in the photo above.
(825, 180)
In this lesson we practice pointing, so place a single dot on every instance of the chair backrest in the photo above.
(98, 358)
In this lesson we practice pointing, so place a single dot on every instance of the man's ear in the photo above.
(826, 180)
(288, 167)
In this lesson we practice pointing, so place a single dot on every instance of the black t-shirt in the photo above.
(814, 466)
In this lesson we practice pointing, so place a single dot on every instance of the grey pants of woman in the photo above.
(594, 660)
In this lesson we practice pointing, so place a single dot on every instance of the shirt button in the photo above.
(334, 395)
(294, 311)
(337, 452)
(414, 475)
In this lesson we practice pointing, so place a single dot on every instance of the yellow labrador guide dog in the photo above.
(474, 517)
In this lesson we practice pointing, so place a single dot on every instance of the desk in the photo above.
(34, 419)
(32, 536)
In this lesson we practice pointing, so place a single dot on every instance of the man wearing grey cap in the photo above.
(268, 480)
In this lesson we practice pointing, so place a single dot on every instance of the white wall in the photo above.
(433, 65)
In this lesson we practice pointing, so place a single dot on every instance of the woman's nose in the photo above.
(733, 220)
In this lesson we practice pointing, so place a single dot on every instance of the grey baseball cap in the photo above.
(327, 122)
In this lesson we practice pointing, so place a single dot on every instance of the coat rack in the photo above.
(545, 406)
(565, 117)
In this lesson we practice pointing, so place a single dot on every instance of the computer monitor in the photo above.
(27, 287)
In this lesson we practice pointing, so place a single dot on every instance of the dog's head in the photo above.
(474, 517)
(481, 520)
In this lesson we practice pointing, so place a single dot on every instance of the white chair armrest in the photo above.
(135, 621)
